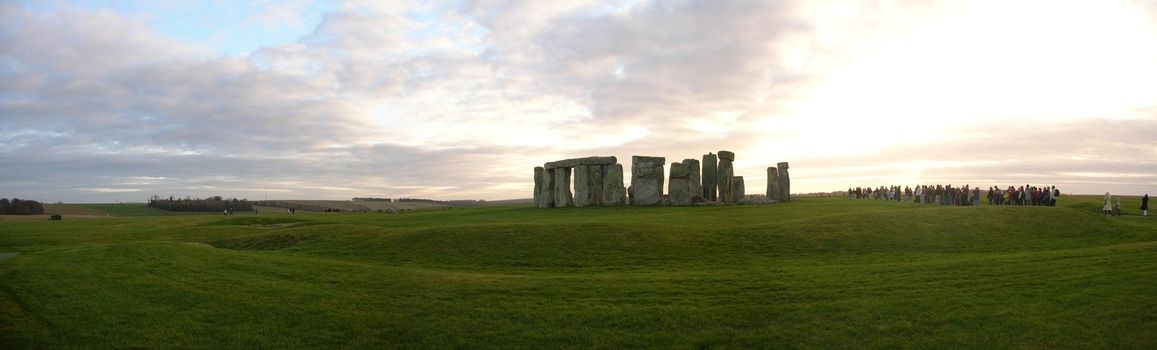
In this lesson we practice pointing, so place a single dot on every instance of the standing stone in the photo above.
(582, 186)
(546, 192)
(562, 194)
(710, 176)
(596, 184)
(678, 189)
(647, 180)
(693, 180)
(784, 183)
(538, 186)
(613, 191)
(737, 190)
(773, 183)
(726, 176)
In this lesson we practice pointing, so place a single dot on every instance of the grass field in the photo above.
(818, 273)
(127, 209)
(357, 205)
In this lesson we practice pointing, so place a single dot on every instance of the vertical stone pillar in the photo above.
(647, 180)
(737, 189)
(773, 183)
(726, 175)
(546, 192)
(538, 186)
(710, 176)
(678, 188)
(562, 194)
(613, 191)
(784, 183)
(694, 179)
(582, 186)
(596, 184)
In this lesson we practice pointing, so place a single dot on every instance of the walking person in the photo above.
(1145, 205)
(1108, 207)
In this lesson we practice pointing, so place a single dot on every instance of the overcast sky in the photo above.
(105, 101)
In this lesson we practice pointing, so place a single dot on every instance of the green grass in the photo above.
(819, 273)
(127, 209)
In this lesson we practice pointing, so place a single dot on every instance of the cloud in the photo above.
(462, 99)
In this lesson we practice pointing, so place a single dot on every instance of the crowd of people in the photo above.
(1026, 195)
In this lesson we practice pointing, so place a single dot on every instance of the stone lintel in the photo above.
(657, 161)
(573, 162)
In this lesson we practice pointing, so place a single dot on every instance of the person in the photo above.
(1145, 205)
(1108, 207)
(1117, 208)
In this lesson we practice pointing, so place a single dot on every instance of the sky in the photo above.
(105, 101)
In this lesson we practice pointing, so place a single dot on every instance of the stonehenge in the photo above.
(599, 181)
(726, 174)
(582, 188)
(679, 186)
(613, 191)
(646, 180)
(784, 183)
(695, 185)
(773, 183)
(710, 177)
(737, 192)
(562, 194)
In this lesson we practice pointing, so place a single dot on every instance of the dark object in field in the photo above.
(55, 217)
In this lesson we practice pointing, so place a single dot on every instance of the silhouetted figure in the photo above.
(1145, 205)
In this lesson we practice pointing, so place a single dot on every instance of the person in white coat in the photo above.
(1108, 208)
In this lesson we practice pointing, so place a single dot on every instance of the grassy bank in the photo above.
(819, 273)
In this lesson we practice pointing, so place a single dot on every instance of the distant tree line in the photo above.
(18, 206)
(405, 199)
(372, 199)
(215, 203)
